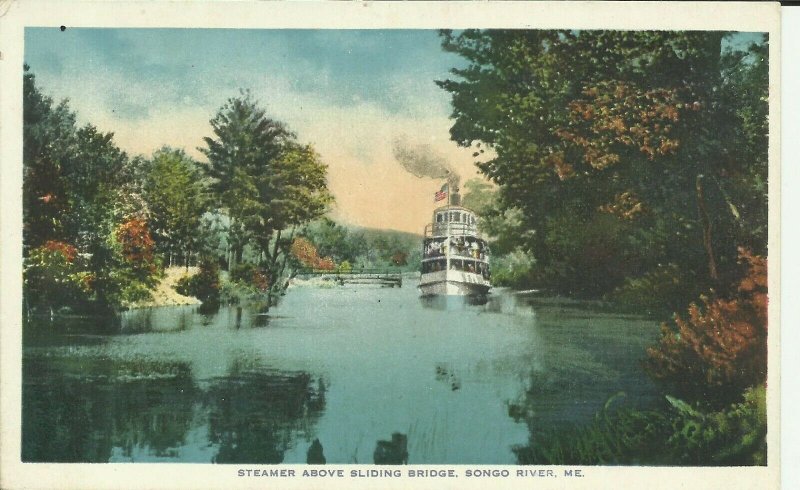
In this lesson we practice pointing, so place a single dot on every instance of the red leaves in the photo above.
(137, 244)
(305, 251)
(616, 115)
(626, 206)
(563, 169)
(68, 251)
(722, 347)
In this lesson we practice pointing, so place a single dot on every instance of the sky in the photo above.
(350, 93)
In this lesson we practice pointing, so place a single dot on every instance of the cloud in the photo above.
(349, 93)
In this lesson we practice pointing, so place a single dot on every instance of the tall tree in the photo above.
(583, 125)
(175, 191)
(48, 144)
(77, 195)
(291, 192)
(246, 143)
(265, 181)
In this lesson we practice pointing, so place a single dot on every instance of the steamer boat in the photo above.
(455, 258)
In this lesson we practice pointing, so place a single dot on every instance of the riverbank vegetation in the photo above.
(351, 247)
(632, 167)
(626, 164)
(100, 226)
(629, 167)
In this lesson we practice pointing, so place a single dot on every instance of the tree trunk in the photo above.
(707, 229)
(277, 284)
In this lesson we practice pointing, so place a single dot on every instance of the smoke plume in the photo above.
(423, 161)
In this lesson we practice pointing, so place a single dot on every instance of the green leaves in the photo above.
(78, 188)
(178, 197)
(264, 181)
(620, 123)
(676, 435)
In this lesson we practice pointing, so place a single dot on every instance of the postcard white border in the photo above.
(15, 15)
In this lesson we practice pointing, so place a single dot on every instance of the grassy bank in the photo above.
(164, 293)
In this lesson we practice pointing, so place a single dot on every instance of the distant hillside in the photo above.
(369, 247)
(378, 232)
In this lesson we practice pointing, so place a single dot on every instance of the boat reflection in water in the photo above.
(452, 302)
(455, 259)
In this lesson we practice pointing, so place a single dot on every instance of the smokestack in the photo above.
(455, 197)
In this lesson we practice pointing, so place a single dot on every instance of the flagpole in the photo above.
(449, 216)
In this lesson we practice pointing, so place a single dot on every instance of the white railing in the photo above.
(450, 229)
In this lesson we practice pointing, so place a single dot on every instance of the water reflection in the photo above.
(337, 375)
(394, 451)
(96, 410)
(68, 329)
(180, 318)
(81, 418)
(315, 454)
(452, 303)
(255, 417)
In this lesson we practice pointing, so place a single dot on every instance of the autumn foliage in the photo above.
(137, 244)
(52, 274)
(615, 115)
(306, 253)
(67, 251)
(721, 348)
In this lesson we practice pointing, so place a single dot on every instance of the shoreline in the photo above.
(164, 293)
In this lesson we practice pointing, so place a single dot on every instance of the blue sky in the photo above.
(181, 65)
(351, 93)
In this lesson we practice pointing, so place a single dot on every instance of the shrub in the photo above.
(184, 285)
(137, 248)
(250, 275)
(622, 436)
(52, 275)
(241, 272)
(130, 268)
(512, 269)
(675, 435)
(135, 292)
(733, 436)
(720, 350)
(304, 252)
(661, 291)
(345, 267)
(205, 285)
(400, 258)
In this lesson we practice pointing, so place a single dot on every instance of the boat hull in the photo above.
(453, 283)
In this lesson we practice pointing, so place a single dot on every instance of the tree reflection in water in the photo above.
(69, 418)
(255, 416)
(97, 409)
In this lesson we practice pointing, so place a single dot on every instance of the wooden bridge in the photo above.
(384, 277)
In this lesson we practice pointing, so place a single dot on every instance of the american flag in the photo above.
(441, 194)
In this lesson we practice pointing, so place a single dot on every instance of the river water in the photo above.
(455, 382)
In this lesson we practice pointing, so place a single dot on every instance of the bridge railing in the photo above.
(351, 272)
